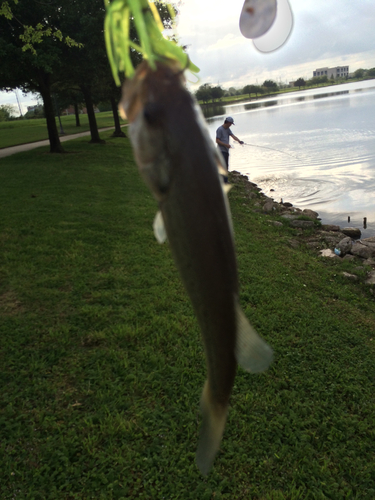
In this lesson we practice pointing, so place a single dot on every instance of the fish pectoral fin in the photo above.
(220, 163)
(252, 352)
(211, 431)
(227, 188)
(159, 228)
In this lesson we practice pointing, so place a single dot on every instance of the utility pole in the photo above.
(18, 101)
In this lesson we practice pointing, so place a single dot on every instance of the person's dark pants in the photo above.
(226, 158)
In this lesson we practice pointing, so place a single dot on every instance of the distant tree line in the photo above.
(208, 93)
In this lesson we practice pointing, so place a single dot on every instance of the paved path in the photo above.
(33, 145)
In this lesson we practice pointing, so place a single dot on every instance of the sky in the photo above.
(325, 33)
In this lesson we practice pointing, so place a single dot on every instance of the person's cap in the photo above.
(229, 119)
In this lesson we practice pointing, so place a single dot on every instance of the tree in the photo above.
(70, 97)
(33, 72)
(203, 93)
(216, 93)
(248, 89)
(270, 85)
(6, 112)
(300, 82)
(359, 73)
(371, 72)
(36, 112)
(252, 89)
(33, 35)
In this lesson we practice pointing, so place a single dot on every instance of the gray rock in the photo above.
(331, 240)
(289, 216)
(330, 227)
(363, 251)
(345, 245)
(369, 240)
(303, 224)
(314, 244)
(348, 257)
(287, 204)
(369, 262)
(310, 213)
(275, 223)
(352, 277)
(370, 278)
(369, 244)
(353, 232)
(268, 206)
(294, 243)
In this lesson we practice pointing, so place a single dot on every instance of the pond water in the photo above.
(313, 148)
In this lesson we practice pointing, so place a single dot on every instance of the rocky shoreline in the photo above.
(326, 240)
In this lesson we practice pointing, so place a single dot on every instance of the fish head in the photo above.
(146, 102)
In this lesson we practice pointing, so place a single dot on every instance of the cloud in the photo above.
(224, 43)
(330, 33)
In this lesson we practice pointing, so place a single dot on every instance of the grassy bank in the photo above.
(102, 364)
(24, 131)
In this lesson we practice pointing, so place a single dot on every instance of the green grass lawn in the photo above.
(102, 363)
(17, 132)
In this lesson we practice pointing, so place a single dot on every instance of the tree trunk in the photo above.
(76, 112)
(118, 132)
(53, 134)
(95, 138)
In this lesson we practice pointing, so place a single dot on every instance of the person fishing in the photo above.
(222, 139)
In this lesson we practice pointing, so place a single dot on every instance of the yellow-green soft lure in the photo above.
(153, 46)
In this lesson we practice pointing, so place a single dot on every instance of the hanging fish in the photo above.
(181, 166)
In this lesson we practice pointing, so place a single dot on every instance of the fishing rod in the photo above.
(272, 149)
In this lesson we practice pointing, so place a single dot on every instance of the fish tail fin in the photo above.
(252, 352)
(211, 431)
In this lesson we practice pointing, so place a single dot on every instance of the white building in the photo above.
(337, 71)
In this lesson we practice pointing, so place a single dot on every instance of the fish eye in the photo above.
(152, 113)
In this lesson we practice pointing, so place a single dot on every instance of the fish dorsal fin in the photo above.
(159, 228)
(252, 352)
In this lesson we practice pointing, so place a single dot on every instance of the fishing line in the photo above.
(272, 149)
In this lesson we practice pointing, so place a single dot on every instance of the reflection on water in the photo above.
(210, 110)
(329, 94)
(252, 105)
(318, 155)
(267, 104)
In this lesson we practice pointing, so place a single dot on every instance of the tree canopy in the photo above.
(208, 93)
(6, 112)
(270, 85)
(252, 89)
(300, 82)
